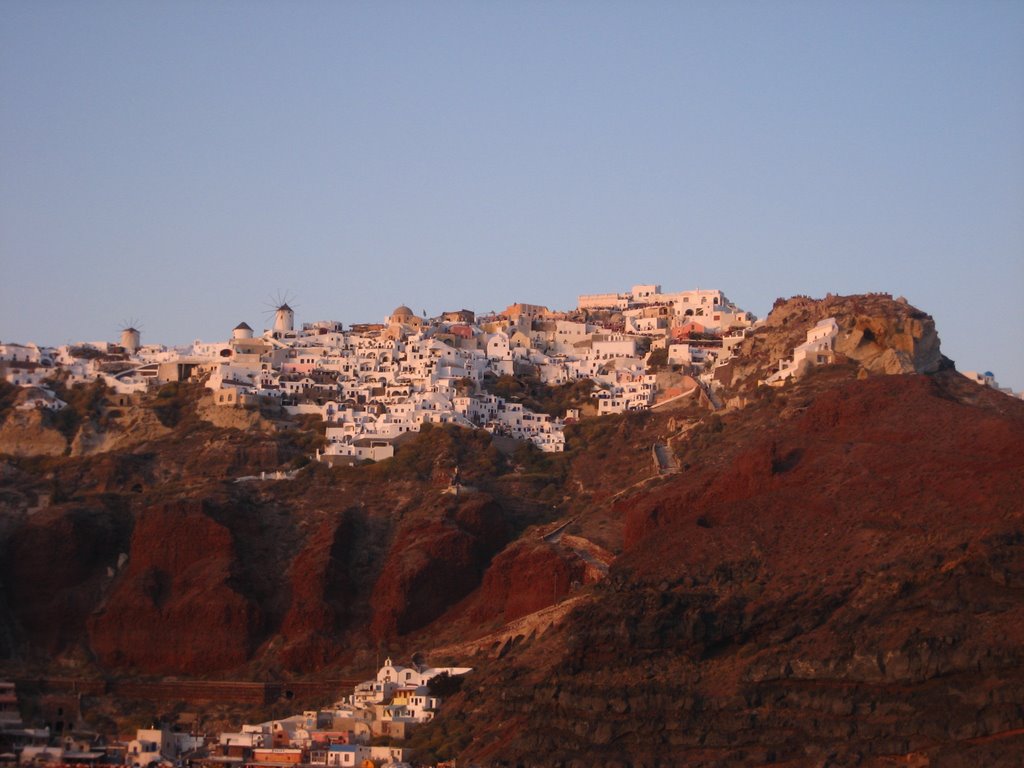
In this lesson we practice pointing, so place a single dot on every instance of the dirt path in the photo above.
(536, 623)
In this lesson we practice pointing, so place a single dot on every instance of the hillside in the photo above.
(833, 576)
(837, 580)
(111, 559)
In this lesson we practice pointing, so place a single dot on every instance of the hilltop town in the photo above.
(374, 384)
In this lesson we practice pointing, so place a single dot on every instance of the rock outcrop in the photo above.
(904, 341)
(55, 569)
(435, 562)
(527, 576)
(531, 574)
(880, 334)
(175, 606)
(135, 427)
(231, 417)
(28, 433)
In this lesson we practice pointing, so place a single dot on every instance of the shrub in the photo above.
(658, 359)
(84, 402)
(445, 684)
(8, 394)
(540, 397)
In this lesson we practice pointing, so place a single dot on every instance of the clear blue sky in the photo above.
(181, 163)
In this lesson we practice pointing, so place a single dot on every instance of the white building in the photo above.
(988, 379)
(817, 350)
(152, 745)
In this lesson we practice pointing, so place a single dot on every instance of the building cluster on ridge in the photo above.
(347, 733)
(375, 384)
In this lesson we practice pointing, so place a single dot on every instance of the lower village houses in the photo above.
(385, 708)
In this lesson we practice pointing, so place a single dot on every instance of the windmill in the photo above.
(131, 335)
(283, 314)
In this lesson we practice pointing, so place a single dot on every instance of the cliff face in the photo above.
(175, 607)
(56, 568)
(27, 433)
(207, 576)
(434, 563)
(849, 588)
(880, 334)
(836, 574)
(321, 590)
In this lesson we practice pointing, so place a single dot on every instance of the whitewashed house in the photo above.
(817, 350)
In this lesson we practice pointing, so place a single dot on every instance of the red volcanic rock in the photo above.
(530, 574)
(320, 593)
(104, 473)
(55, 568)
(174, 608)
(836, 578)
(895, 451)
(434, 563)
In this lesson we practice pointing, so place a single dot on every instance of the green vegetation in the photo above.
(445, 684)
(310, 434)
(8, 394)
(700, 439)
(85, 353)
(657, 360)
(441, 739)
(85, 403)
(171, 402)
(532, 460)
(540, 397)
(590, 433)
(441, 447)
(465, 386)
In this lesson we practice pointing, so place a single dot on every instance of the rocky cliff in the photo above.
(28, 433)
(175, 606)
(835, 576)
(840, 586)
(434, 563)
(880, 334)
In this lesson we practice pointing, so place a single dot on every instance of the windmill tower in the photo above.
(131, 339)
(241, 331)
(283, 314)
(284, 318)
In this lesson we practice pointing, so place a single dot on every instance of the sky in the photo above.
(182, 165)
